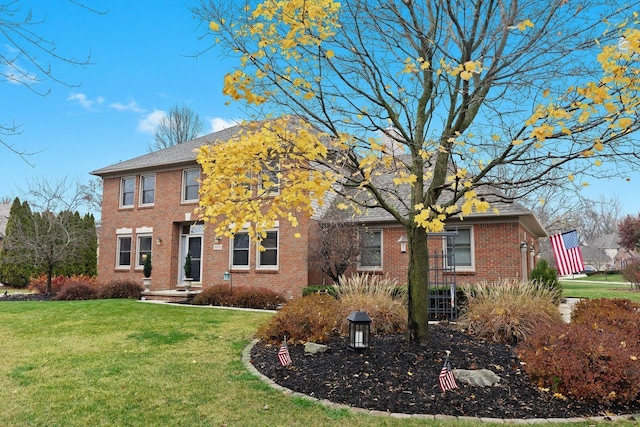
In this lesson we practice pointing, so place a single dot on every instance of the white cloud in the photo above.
(85, 102)
(130, 106)
(219, 123)
(149, 123)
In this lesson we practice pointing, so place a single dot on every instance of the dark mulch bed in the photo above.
(24, 297)
(396, 376)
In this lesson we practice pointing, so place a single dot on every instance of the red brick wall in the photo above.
(166, 217)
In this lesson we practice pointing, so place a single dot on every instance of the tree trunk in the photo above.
(418, 286)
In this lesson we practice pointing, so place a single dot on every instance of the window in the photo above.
(462, 250)
(127, 188)
(190, 185)
(371, 253)
(144, 249)
(240, 255)
(268, 254)
(270, 179)
(124, 252)
(147, 189)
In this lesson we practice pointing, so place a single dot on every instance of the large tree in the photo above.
(180, 125)
(448, 96)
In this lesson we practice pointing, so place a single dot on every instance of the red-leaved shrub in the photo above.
(39, 283)
(597, 357)
(120, 289)
(77, 291)
(311, 318)
(239, 296)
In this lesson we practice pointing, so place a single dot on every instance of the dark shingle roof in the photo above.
(175, 155)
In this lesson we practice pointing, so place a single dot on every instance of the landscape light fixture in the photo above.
(359, 330)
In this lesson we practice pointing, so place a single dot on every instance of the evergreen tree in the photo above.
(15, 270)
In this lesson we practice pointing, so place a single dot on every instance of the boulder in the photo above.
(314, 348)
(476, 377)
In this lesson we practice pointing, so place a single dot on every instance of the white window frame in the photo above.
(143, 178)
(139, 262)
(372, 267)
(259, 253)
(122, 192)
(119, 238)
(185, 185)
(232, 250)
(472, 252)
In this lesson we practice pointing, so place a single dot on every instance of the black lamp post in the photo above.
(359, 330)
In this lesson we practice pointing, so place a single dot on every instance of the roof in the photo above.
(176, 155)
(5, 209)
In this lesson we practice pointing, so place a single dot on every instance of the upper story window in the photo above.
(127, 190)
(371, 252)
(240, 254)
(268, 254)
(270, 179)
(463, 250)
(190, 185)
(147, 189)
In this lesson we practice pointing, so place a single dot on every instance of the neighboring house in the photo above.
(148, 208)
(606, 253)
(624, 257)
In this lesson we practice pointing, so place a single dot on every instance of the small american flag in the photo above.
(283, 354)
(446, 379)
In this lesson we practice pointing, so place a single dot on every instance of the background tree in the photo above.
(30, 56)
(15, 271)
(629, 229)
(49, 235)
(337, 248)
(180, 125)
(449, 97)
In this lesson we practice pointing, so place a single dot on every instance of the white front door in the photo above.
(191, 244)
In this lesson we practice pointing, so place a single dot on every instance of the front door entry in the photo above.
(191, 243)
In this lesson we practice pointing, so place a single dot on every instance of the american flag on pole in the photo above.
(283, 354)
(446, 379)
(566, 249)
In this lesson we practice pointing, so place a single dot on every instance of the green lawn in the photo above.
(599, 287)
(127, 363)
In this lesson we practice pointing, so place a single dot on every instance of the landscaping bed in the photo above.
(395, 376)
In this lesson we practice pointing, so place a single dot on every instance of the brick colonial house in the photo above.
(148, 207)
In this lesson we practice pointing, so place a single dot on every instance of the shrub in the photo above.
(546, 276)
(76, 291)
(310, 318)
(121, 289)
(631, 273)
(320, 289)
(598, 364)
(508, 311)
(39, 283)
(622, 315)
(239, 296)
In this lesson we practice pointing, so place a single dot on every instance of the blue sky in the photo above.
(142, 65)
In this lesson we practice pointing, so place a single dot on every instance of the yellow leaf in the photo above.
(214, 26)
(571, 177)
(329, 54)
(522, 26)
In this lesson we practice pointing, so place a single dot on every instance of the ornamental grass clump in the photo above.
(508, 311)
(384, 301)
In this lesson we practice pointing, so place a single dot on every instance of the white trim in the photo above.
(121, 194)
(141, 190)
(144, 230)
(277, 249)
(139, 266)
(124, 230)
(464, 268)
(373, 267)
(231, 251)
(119, 238)
(183, 190)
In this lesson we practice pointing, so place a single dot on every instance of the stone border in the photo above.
(246, 361)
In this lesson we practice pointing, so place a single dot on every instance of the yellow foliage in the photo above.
(261, 176)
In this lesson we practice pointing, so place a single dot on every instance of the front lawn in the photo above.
(598, 289)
